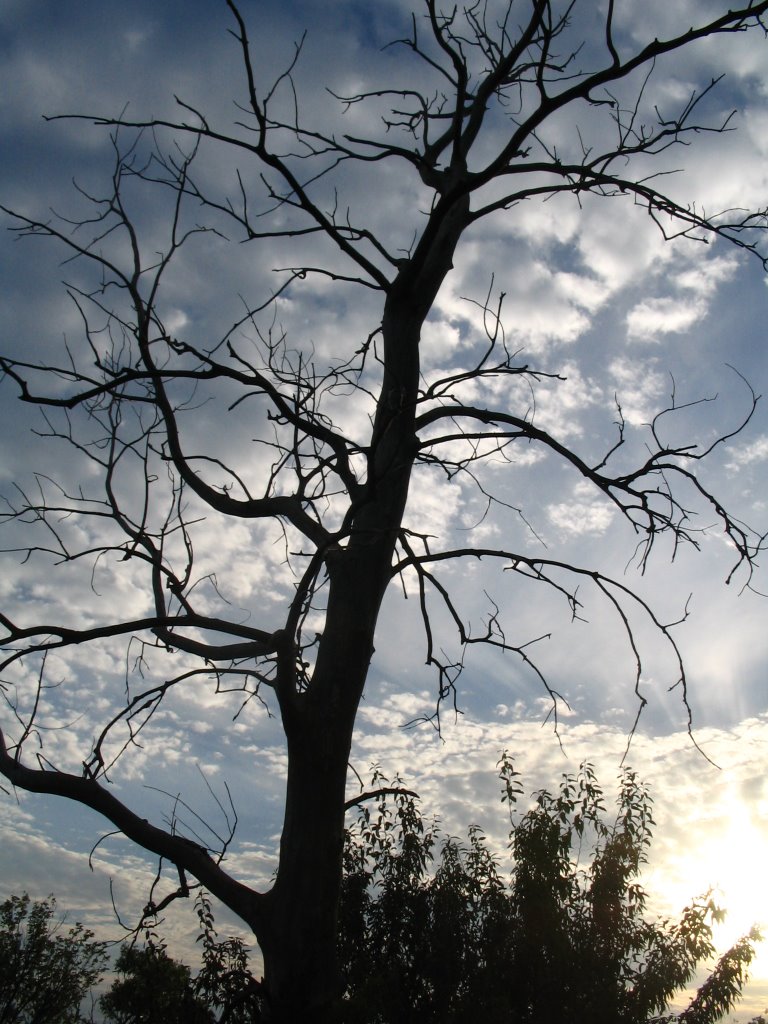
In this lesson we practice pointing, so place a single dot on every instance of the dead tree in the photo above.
(473, 143)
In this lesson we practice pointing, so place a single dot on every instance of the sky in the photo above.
(593, 294)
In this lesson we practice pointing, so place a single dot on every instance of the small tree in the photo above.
(45, 972)
(224, 982)
(152, 988)
(320, 453)
(566, 938)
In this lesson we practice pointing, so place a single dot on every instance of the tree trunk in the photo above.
(298, 942)
(301, 971)
(298, 936)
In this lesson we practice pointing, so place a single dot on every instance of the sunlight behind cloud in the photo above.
(728, 855)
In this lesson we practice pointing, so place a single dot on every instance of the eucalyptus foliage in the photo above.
(153, 988)
(432, 929)
(45, 971)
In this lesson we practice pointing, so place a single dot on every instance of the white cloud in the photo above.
(554, 221)
(434, 503)
(704, 276)
(560, 408)
(746, 455)
(653, 317)
(585, 292)
(619, 244)
(439, 339)
(697, 280)
(578, 518)
(542, 306)
(638, 385)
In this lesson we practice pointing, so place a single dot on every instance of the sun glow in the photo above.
(740, 856)
(729, 859)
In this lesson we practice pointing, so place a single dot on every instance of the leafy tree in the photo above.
(566, 937)
(45, 972)
(152, 988)
(225, 983)
(468, 132)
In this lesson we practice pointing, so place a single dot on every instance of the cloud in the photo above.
(581, 517)
(678, 314)
(638, 385)
(704, 276)
(560, 407)
(746, 455)
(662, 316)
(439, 340)
(542, 305)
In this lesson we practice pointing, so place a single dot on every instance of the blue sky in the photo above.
(592, 293)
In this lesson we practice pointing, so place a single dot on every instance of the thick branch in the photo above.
(256, 642)
(187, 855)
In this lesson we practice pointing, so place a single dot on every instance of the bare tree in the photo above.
(473, 143)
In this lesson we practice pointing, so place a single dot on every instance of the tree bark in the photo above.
(298, 937)
(299, 930)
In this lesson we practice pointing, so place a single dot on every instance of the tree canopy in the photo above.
(566, 936)
(45, 971)
(434, 928)
(153, 988)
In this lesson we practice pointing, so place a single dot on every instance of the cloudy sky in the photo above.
(593, 294)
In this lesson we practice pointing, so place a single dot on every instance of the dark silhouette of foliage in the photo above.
(225, 983)
(565, 938)
(433, 931)
(45, 972)
(152, 988)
